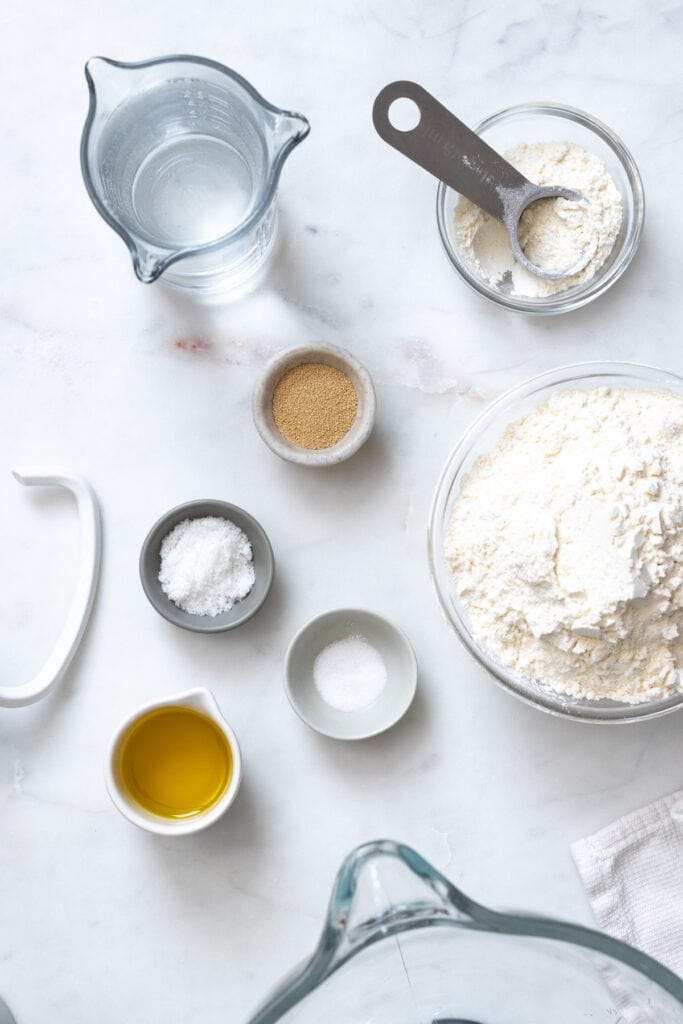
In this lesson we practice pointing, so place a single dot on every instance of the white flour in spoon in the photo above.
(553, 233)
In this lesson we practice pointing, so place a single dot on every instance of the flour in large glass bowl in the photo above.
(563, 542)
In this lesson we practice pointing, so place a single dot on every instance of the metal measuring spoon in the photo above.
(448, 149)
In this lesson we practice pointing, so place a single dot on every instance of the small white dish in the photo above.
(396, 652)
(360, 429)
(203, 701)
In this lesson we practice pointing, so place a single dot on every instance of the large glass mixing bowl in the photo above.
(402, 945)
(482, 437)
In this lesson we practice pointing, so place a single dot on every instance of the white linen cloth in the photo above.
(633, 874)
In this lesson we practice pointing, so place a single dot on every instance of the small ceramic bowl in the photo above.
(150, 565)
(203, 701)
(396, 652)
(358, 433)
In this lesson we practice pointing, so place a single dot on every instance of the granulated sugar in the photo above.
(349, 674)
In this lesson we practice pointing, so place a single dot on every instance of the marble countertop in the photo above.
(149, 397)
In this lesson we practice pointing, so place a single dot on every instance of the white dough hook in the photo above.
(86, 583)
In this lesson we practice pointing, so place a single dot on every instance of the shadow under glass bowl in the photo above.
(481, 438)
(242, 611)
(553, 122)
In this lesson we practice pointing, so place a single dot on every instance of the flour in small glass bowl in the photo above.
(553, 233)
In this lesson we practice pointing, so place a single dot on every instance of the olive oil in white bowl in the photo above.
(174, 766)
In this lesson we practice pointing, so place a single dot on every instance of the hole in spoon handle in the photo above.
(441, 144)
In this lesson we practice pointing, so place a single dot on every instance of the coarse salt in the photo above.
(207, 565)
(349, 674)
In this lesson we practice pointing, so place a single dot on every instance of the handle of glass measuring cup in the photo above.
(441, 144)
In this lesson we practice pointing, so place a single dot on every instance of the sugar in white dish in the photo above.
(207, 565)
(349, 674)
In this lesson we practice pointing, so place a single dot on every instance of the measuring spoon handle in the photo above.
(448, 149)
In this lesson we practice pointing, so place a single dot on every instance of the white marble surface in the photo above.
(99, 921)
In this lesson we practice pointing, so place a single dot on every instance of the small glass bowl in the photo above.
(552, 122)
(482, 437)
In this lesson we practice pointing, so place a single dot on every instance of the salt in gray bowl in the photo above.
(242, 611)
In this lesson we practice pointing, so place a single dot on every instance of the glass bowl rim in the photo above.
(567, 301)
(620, 713)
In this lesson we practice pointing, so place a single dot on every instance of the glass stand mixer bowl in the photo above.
(402, 945)
(182, 157)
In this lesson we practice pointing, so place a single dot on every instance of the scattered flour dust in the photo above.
(566, 545)
(207, 565)
(553, 233)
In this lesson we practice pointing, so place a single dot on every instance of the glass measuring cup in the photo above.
(402, 945)
(181, 156)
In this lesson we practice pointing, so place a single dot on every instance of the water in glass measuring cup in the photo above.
(192, 190)
(182, 157)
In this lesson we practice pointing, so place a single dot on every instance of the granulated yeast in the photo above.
(314, 405)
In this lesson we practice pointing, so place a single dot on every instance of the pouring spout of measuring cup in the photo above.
(440, 143)
(149, 263)
(110, 82)
(382, 888)
(287, 131)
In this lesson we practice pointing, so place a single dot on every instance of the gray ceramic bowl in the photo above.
(358, 433)
(398, 657)
(150, 564)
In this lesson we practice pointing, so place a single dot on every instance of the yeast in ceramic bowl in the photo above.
(241, 611)
(359, 430)
(531, 123)
(338, 625)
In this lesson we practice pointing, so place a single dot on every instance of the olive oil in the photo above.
(174, 762)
